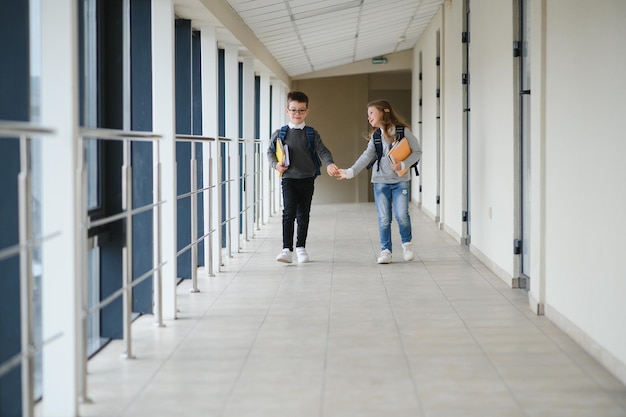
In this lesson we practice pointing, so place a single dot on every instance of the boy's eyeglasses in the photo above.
(294, 111)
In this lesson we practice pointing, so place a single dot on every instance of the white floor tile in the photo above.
(345, 337)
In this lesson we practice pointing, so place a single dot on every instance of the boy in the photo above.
(305, 149)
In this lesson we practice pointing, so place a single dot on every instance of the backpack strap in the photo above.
(282, 133)
(399, 132)
(379, 148)
(281, 136)
(399, 136)
(310, 135)
(378, 144)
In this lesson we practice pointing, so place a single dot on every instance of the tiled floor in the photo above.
(345, 337)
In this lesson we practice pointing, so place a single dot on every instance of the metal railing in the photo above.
(220, 191)
(24, 249)
(194, 193)
(258, 183)
(227, 184)
(128, 283)
(251, 185)
(211, 191)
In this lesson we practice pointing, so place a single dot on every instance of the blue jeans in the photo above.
(386, 196)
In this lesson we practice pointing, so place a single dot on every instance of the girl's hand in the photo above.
(341, 174)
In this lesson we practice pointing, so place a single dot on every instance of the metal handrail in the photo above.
(24, 132)
(118, 134)
(193, 196)
(127, 138)
(10, 129)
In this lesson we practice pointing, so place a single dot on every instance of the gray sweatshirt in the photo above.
(301, 163)
(383, 173)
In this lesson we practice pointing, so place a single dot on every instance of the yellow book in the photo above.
(398, 153)
(282, 154)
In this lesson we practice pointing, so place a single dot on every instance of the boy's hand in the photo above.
(280, 167)
(332, 170)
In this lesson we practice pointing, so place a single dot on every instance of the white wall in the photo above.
(577, 175)
(577, 141)
(452, 115)
(416, 118)
(492, 96)
(427, 46)
(585, 175)
(492, 151)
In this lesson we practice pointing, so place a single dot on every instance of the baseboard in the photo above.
(535, 306)
(607, 359)
(454, 235)
(499, 272)
(429, 214)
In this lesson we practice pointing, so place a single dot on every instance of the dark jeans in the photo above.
(297, 197)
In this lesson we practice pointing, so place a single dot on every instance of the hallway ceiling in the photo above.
(312, 35)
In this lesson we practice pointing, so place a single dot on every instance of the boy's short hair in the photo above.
(298, 96)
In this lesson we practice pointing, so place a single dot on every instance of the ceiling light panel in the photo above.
(308, 35)
(304, 9)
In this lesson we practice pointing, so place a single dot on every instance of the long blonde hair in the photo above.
(391, 119)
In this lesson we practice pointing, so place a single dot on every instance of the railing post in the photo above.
(228, 198)
(127, 251)
(83, 232)
(193, 166)
(157, 280)
(26, 277)
(209, 229)
(217, 208)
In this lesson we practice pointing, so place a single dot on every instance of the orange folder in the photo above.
(398, 153)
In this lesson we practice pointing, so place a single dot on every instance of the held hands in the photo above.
(341, 174)
(344, 174)
(332, 169)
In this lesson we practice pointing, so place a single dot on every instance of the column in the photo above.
(62, 208)
(232, 132)
(265, 136)
(248, 136)
(163, 113)
(210, 151)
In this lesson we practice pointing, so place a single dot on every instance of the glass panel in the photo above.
(94, 342)
(89, 100)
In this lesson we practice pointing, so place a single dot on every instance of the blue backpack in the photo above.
(378, 144)
(310, 135)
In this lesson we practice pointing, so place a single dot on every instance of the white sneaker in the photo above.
(385, 257)
(303, 257)
(285, 256)
(408, 251)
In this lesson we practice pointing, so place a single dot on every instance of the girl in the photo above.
(391, 190)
